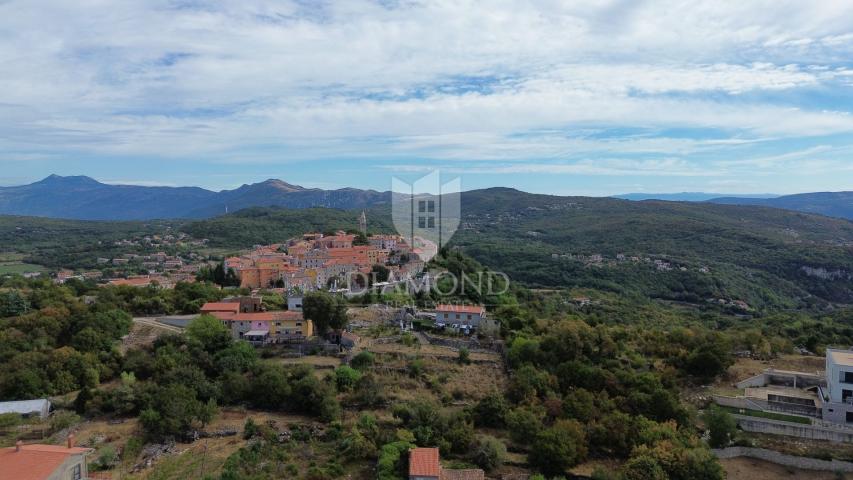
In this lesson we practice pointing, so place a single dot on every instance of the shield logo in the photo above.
(426, 213)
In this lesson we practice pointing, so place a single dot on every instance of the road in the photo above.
(152, 322)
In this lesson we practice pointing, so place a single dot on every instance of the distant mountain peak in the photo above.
(71, 180)
(282, 185)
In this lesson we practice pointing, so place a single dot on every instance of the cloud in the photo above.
(682, 86)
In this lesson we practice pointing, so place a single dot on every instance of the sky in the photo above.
(574, 98)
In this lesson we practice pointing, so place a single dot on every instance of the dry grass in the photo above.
(742, 468)
(313, 360)
(141, 335)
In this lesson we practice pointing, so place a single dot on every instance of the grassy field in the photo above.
(771, 415)
(12, 263)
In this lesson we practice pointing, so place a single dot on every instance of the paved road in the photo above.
(152, 322)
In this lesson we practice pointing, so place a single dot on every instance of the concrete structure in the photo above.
(44, 462)
(838, 407)
(805, 463)
(826, 399)
(27, 408)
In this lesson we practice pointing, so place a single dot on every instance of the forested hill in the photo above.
(767, 257)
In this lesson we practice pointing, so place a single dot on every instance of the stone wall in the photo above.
(777, 427)
(804, 463)
(473, 345)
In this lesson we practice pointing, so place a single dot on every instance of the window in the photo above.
(849, 416)
(846, 377)
(277, 324)
(421, 222)
(431, 222)
(431, 206)
(469, 317)
(845, 394)
(77, 472)
(422, 206)
(298, 324)
(457, 316)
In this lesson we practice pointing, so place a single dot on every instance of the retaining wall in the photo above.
(778, 427)
(805, 463)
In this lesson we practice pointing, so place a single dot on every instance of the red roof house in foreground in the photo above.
(44, 462)
(424, 464)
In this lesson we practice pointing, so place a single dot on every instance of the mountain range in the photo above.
(84, 198)
(831, 204)
(687, 196)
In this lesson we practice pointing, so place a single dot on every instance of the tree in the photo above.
(12, 304)
(362, 361)
(524, 425)
(643, 467)
(490, 453)
(210, 333)
(231, 279)
(464, 356)
(379, 273)
(392, 460)
(346, 377)
(559, 447)
(722, 426)
(174, 410)
(325, 310)
(491, 411)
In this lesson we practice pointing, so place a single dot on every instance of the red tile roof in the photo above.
(460, 308)
(34, 462)
(221, 307)
(223, 315)
(423, 462)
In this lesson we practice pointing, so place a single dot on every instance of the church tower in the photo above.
(362, 223)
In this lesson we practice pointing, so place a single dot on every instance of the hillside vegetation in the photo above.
(768, 258)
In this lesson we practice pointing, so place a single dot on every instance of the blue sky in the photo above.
(586, 98)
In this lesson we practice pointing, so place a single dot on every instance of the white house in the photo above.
(462, 316)
(27, 408)
(839, 386)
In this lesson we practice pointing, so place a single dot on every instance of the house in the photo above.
(294, 303)
(838, 407)
(27, 408)
(827, 397)
(44, 462)
(211, 307)
(260, 328)
(459, 316)
(425, 464)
